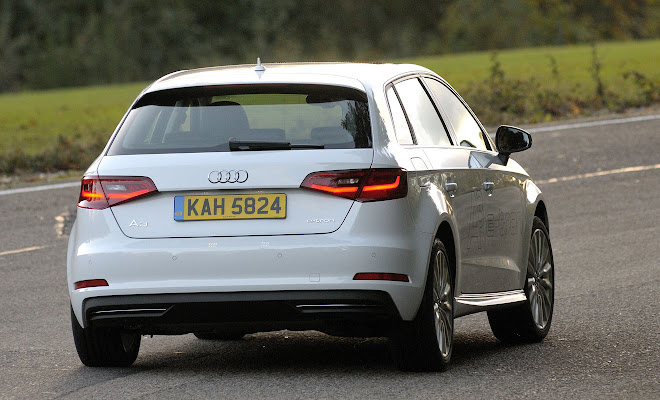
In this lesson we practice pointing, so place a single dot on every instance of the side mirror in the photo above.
(510, 139)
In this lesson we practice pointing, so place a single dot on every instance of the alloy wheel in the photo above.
(540, 279)
(442, 304)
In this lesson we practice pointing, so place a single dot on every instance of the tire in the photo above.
(105, 347)
(530, 321)
(218, 336)
(426, 343)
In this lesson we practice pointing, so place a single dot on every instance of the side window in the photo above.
(467, 129)
(424, 119)
(401, 128)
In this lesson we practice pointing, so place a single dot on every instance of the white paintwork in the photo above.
(210, 256)
(365, 242)
(269, 172)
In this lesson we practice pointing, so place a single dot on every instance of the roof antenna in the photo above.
(259, 67)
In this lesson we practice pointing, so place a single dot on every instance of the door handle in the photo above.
(451, 188)
(488, 187)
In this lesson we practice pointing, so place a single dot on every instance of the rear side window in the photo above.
(467, 129)
(204, 119)
(424, 119)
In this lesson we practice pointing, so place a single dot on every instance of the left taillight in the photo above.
(97, 192)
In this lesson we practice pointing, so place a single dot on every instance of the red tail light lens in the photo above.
(90, 283)
(380, 276)
(101, 192)
(340, 183)
(360, 185)
(385, 184)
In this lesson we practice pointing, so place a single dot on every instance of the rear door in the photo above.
(497, 201)
(445, 167)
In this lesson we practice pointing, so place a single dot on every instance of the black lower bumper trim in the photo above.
(241, 311)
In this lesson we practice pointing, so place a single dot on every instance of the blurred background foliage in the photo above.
(58, 43)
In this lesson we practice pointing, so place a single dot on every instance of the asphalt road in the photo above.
(604, 341)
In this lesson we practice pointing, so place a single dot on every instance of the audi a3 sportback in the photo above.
(353, 199)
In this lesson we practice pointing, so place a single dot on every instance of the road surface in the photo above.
(602, 184)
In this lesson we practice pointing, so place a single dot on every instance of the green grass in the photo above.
(573, 64)
(30, 122)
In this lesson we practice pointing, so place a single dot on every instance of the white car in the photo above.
(353, 199)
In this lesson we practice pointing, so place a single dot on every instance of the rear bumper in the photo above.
(235, 266)
(242, 311)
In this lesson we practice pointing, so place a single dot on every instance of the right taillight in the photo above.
(360, 185)
(101, 192)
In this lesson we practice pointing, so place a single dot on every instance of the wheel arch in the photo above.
(542, 212)
(446, 235)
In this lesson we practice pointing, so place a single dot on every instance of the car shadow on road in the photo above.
(309, 351)
(285, 357)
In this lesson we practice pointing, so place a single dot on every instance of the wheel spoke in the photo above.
(448, 329)
(530, 281)
(546, 269)
(538, 309)
(544, 310)
(444, 296)
(537, 237)
(531, 259)
(545, 250)
(546, 284)
(440, 331)
(534, 303)
(531, 292)
(547, 299)
(444, 333)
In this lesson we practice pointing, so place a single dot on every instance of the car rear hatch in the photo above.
(230, 160)
(185, 178)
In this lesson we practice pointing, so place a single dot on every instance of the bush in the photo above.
(67, 154)
(500, 98)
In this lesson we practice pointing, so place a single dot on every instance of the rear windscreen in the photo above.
(204, 119)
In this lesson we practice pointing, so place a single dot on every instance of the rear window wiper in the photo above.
(255, 145)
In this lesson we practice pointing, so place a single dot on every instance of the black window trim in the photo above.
(405, 114)
(418, 76)
(484, 133)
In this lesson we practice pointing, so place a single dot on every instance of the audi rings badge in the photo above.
(231, 176)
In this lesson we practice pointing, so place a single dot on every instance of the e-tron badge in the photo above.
(231, 176)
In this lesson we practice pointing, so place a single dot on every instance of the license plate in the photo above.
(230, 206)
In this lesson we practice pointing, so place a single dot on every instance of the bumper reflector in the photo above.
(90, 283)
(380, 276)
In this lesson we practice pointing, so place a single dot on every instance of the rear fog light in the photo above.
(380, 276)
(90, 283)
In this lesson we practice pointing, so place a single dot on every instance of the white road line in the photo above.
(594, 123)
(25, 250)
(599, 173)
(39, 188)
